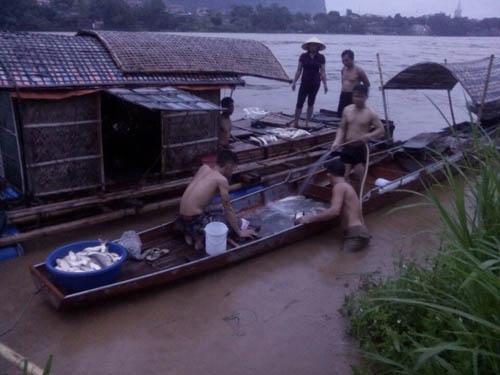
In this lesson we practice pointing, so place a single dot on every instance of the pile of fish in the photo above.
(279, 133)
(264, 140)
(289, 133)
(88, 260)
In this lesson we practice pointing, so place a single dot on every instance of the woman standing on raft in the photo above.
(312, 69)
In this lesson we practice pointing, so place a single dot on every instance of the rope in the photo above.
(21, 314)
(363, 181)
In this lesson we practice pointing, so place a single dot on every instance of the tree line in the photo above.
(152, 15)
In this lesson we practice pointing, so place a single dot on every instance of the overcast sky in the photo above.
(471, 8)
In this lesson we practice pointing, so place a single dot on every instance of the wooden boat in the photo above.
(405, 169)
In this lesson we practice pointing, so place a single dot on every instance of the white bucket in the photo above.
(215, 238)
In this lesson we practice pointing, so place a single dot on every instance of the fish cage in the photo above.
(91, 111)
(105, 138)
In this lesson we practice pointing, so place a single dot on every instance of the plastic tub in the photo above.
(77, 282)
(216, 238)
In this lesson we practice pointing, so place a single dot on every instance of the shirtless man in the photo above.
(352, 75)
(193, 215)
(226, 124)
(345, 203)
(359, 125)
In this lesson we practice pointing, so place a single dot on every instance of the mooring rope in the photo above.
(363, 181)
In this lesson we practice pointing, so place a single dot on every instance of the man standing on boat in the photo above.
(225, 125)
(194, 213)
(359, 125)
(312, 69)
(346, 205)
(351, 75)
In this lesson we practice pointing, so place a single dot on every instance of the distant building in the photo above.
(419, 29)
(224, 6)
(97, 25)
(135, 3)
(351, 14)
(458, 11)
(175, 9)
(203, 11)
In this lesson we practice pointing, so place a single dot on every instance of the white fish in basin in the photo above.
(89, 259)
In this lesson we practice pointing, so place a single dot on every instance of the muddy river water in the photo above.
(274, 314)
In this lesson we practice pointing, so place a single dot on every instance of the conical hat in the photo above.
(314, 40)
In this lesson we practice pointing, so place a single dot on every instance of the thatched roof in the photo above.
(164, 99)
(471, 75)
(147, 52)
(35, 61)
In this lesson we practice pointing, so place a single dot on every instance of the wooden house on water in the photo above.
(98, 110)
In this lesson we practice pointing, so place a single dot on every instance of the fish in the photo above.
(89, 259)
(289, 133)
(292, 198)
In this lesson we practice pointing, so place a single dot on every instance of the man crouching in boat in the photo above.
(193, 213)
(345, 203)
(359, 125)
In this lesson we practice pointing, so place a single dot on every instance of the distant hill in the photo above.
(294, 6)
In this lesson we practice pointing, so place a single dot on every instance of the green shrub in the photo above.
(444, 318)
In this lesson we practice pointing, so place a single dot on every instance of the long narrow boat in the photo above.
(408, 168)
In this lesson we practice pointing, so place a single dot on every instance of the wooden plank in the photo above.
(192, 143)
(62, 161)
(58, 124)
(101, 143)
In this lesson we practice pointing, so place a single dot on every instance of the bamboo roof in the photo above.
(471, 75)
(41, 61)
(149, 52)
(164, 99)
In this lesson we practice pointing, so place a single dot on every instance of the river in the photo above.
(411, 110)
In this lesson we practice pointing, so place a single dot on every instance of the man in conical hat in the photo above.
(312, 69)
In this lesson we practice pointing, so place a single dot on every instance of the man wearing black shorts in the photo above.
(312, 69)
(359, 125)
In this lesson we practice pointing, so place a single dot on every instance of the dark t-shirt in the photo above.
(311, 68)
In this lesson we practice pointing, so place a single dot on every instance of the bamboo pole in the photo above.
(486, 86)
(19, 361)
(451, 108)
(384, 99)
(450, 101)
(100, 140)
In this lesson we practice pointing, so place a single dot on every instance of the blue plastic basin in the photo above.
(76, 282)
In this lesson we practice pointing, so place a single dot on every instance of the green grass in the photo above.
(46, 371)
(443, 318)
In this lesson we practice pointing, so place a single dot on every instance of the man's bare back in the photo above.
(351, 214)
(201, 191)
(353, 76)
(344, 204)
(225, 131)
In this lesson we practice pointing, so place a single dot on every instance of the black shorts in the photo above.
(352, 155)
(308, 91)
(344, 100)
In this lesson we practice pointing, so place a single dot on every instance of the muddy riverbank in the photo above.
(274, 314)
